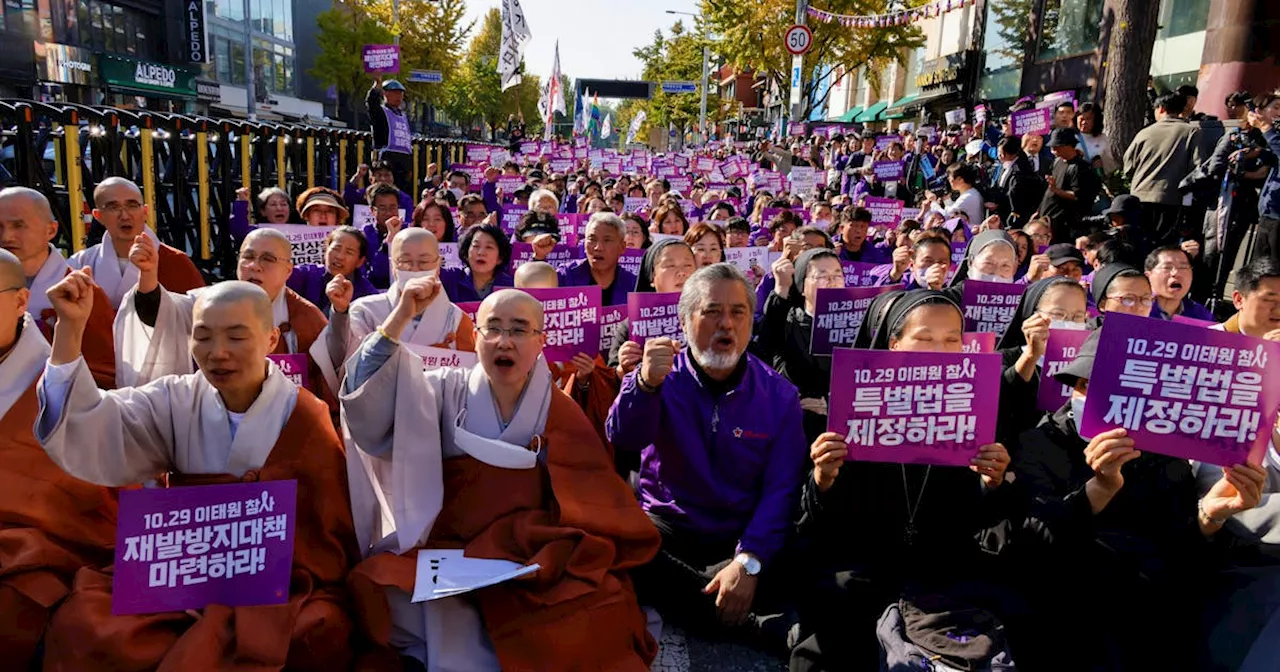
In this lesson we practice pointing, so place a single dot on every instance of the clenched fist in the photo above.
(72, 297)
(146, 257)
(659, 356)
(340, 292)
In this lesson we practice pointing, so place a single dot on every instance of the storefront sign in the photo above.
(208, 91)
(196, 47)
(148, 76)
(60, 63)
(949, 71)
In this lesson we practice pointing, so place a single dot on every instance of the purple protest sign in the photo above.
(610, 316)
(522, 253)
(957, 251)
(1184, 391)
(1183, 319)
(530, 147)
(511, 217)
(1027, 122)
(477, 154)
(188, 548)
(1060, 351)
(703, 164)
(381, 58)
(561, 165)
(631, 259)
(990, 306)
(653, 315)
(293, 366)
(571, 322)
(837, 314)
(796, 128)
(509, 184)
(883, 142)
(913, 407)
(635, 204)
(887, 171)
(440, 358)
(470, 308)
(884, 211)
(978, 342)
(861, 273)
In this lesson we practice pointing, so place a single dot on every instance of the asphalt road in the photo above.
(680, 653)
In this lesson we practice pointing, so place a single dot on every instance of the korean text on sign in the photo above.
(610, 316)
(861, 273)
(838, 314)
(1061, 350)
(571, 321)
(306, 243)
(990, 306)
(913, 407)
(1184, 391)
(187, 548)
(654, 315)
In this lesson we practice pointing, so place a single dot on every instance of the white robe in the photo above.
(144, 353)
(106, 265)
(51, 273)
(22, 365)
(176, 423)
(397, 482)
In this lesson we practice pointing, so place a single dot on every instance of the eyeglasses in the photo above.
(828, 278)
(514, 333)
(117, 208)
(1170, 268)
(263, 260)
(416, 264)
(1063, 316)
(1131, 300)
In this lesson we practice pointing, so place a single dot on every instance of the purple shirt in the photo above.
(460, 288)
(728, 465)
(1190, 309)
(869, 253)
(310, 280)
(355, 196)
(578, 274)
(399, 139)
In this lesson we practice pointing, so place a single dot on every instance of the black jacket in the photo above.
(1022, 189)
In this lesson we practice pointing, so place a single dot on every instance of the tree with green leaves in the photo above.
(432, 37)
(344, 29)
(475, 95)
(752, 35)
(674, 57)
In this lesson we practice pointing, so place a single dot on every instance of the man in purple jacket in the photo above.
(603, 243)
(1169, 270)
(722, 460)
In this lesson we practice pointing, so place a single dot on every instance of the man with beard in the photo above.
(722, 458)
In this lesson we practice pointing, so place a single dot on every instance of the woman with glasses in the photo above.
(786, 329)
(707, 242)
(1120, 288)
(665, 267)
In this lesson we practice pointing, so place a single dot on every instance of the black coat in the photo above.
(782, 340)
(1023, 189)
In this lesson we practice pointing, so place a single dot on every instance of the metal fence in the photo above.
(189, 167)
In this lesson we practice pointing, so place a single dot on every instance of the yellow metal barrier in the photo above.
(246, 177)
(342, 161)
(148, 173)
(202, 181)
(281, 172)
(75, 167)
(311, 161)
(360, 157)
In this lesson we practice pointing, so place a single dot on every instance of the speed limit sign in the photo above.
(799, 39)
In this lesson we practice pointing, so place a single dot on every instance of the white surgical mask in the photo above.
(921, 280)
(989, 277)
(1069, 326)
(823, 224)
(1077, 412)
(403, 277)
(457, 193)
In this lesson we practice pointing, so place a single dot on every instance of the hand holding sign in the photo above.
(629, 356)
(828, 453)
(1105, 454)
(1239, 490)
(991, 462)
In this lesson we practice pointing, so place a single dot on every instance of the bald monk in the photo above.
(118, 204)
(27, 227)
(588, 379)
(153, 325)
(51, 524)
(237, 419)
(505, 466)
(415, 253)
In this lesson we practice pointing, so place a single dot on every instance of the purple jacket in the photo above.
(727, 466)
(459, 287)
(309, 281)
(870, 253)
(1190, 309)
(355, 196)
(578, 274)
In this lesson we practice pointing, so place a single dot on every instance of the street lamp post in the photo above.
(706, 75)
(250, 87)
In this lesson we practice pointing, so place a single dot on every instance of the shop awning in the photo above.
(898, 108)
(847, 117)
(872, 113)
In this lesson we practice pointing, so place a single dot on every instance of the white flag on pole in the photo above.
(515, 34)
(636, 122)
(606, 129)
(557, 91)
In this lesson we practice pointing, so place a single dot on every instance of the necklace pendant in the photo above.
(909, 535)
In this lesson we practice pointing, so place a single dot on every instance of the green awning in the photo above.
(871, 113)
(897, 109)
(847, 117)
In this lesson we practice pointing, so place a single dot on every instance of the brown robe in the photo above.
(98, 347)
(596, 399)
(176, 272)
(311, 632)
(306, 321)
(572, 515)
(51, 525)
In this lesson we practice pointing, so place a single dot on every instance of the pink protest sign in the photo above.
(470, 308)
(610, 316)
(293, 366)
(883, 141)
(861, 273)
(438, 358)
(978, 342)
(887, 171)
(530, 147)
(913, 407)
(703, 164)
(1026, 122)
(884, 211)
(1060, 351)
(1184, 391)
(653, 315)
(509, 184)
(631, 259)
(188, 548)
(522, 253)
(837, 315)
(796, 128)
(381, 58)
(477, 154)
(571, 321)
(990, 306)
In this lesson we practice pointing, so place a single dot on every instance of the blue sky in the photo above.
(596, 36)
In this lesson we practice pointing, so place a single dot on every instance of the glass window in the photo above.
(1069, 27)
(915, 63)
(108, 30)
(86, 29)
(277, 26)
(237, 63)
(232, 10)
(1182, 17)
(222, 58)
(119, 24)
(288, 22)
(1003, 43)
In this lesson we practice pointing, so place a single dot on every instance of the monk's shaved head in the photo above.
(29, 198)
(235, 291)
(536, 275)
(285, 251)
(510, 298)
(11, 274)
(413, 235)
(100, 192)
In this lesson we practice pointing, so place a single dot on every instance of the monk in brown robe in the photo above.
(27, 229)
(51, 524)
(236, 419)
(504, 466)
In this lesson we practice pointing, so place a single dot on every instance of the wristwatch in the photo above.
(749, 562)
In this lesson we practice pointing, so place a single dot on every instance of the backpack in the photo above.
(947, 638)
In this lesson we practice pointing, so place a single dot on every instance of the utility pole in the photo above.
(702, 110)
(250, 87)
(797, 68)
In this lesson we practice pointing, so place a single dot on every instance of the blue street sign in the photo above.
(426, 76)
(679, 87)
